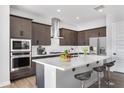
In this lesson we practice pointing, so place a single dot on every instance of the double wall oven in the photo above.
(20, 54)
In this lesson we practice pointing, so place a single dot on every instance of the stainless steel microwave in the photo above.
(18, 45)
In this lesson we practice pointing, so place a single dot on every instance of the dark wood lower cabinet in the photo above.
(22, 73)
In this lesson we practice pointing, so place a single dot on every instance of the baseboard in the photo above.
(4, 83)
(118, 72)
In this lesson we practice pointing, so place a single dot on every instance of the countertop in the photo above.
(81, 60)
(45, 55)
(36, 56)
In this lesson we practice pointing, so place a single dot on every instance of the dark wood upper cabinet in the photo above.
(20, 27)
(102, 32)
(41, 34)
(70, 37)
(83, 36)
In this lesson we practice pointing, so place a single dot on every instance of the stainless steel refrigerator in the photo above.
(99, 43)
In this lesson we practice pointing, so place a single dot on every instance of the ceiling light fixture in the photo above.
(77, 18)
(58, 10)
(99, 8)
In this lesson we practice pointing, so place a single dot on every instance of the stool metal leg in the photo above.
(83, 84)
(108, 78)
(105, 73)
(99, 80)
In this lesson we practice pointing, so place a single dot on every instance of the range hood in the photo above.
(55, 28)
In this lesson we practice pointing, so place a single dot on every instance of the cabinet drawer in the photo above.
(21, 73)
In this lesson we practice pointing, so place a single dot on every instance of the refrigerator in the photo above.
(99, 43)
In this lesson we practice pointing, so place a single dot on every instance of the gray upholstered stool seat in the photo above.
(83, 76)
(110, 64)
(99, 69)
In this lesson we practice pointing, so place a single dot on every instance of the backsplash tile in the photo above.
(58, 49)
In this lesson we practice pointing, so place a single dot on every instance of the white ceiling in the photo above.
(68, 14)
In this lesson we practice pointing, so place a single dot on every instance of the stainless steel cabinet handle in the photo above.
(73, 69)
(97, 62)
(87, 65)
(37, 42)
(21, 33)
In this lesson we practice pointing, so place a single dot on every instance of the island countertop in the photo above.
(36, 56)
(81, 60)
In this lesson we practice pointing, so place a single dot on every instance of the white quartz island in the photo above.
(61, 74)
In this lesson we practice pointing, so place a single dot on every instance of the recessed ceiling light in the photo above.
(58, 10)
(99, 8)
(77, 17)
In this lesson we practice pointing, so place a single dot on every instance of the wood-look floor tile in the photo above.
(30, 82)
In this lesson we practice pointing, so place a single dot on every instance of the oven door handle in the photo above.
(20, 56)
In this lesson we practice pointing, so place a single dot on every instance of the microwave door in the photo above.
(20, 45)
(25, 45)
(17, 45)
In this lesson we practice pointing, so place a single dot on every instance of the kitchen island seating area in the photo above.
(55, 70)
(104, 68)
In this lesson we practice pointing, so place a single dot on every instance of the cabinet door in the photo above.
(89, 34)
(65, 34)
(70, 37)
(20, 27)
(35, 33)
(40, 34)
(15, 27)
(74, 37)
(102, 32)
(26, 28)
(97, 32)
(81, 38)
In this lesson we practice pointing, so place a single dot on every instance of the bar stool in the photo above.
(83, 77)
(99, 70)
(108, 65)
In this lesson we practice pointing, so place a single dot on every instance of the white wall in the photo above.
(92, 24)
(4, 45)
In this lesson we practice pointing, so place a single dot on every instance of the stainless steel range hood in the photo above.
(55, 33)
